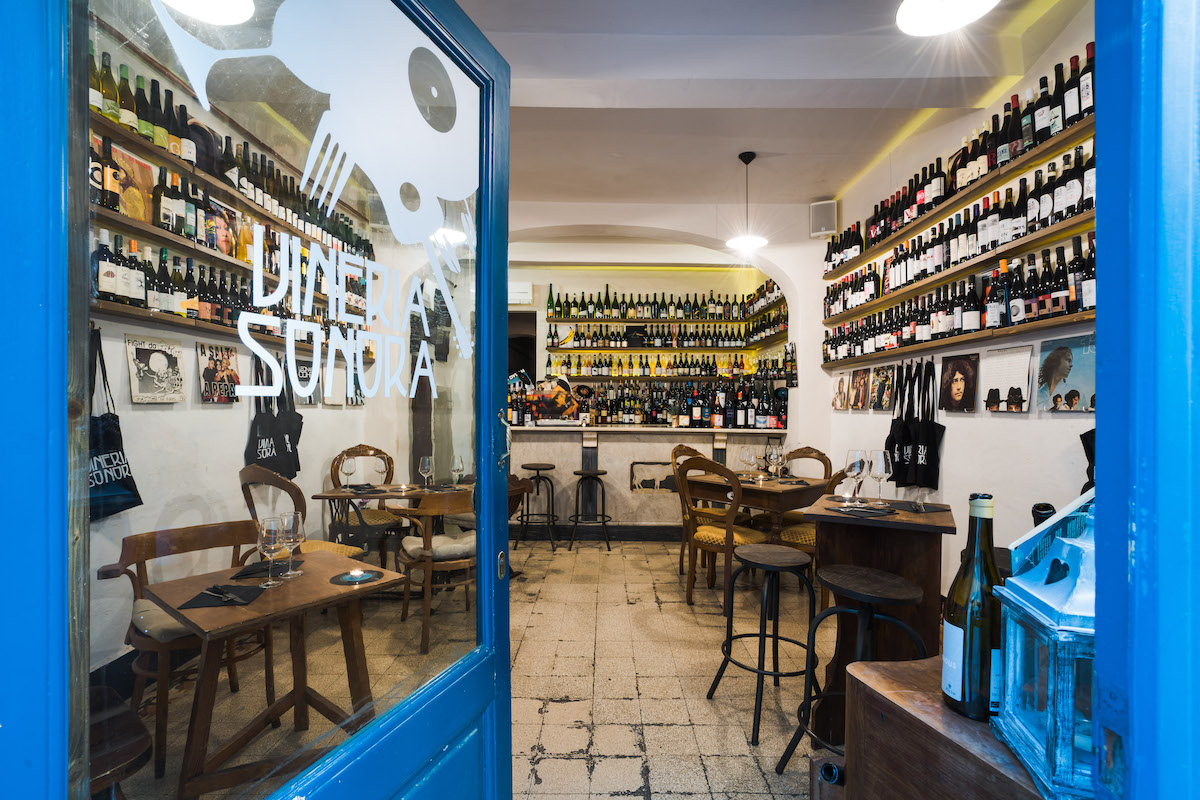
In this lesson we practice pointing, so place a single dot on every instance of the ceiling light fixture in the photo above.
(935, 17)
(215, 12)
(747, 242)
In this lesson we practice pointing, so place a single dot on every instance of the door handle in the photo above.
(507, 440)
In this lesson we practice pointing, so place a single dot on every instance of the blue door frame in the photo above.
(452, 736)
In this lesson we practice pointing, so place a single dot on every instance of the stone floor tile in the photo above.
(619, 774)
(734, 774)
(616, 740)
(676, 774)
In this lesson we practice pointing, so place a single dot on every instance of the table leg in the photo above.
(299, 671)
(200, 724)
(350, 619)
(776, 525)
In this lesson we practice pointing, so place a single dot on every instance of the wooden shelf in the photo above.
(774, 339)
(1068, 139)
(159, 319)
(1057, 232)
(1035, 326)
(640, 350)
(663, 378)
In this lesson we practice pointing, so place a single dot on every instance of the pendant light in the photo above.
(935, 17)
(747, 242)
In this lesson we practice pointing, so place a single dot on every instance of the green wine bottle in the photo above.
(971, 659)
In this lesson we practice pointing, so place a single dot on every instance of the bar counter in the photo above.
(638, 461)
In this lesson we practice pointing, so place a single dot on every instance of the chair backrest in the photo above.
(255, 475)
(695, 515)
(834, 479)
(517, 489)
(679, 454)
(360, 451)
(815, 455)
(140, 548)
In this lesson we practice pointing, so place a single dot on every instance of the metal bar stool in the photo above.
(772, 559)
(871, 587)
(590, 477)
(547, 517)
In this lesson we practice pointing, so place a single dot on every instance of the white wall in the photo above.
(1032, 458)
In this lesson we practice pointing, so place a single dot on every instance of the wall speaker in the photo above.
(822, 219)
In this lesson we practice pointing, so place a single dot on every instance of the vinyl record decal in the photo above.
(432, 90)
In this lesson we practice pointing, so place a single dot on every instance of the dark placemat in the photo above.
(245, 594)
(793, 482)
(911, 507)
(259, 569)
(866, 513)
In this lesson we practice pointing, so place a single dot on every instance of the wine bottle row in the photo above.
(744, 404)
(975, 231)
(253, 175)
(1021, 129)
(651, 307)
(1008, 298)
(675, 366)
(608, 337)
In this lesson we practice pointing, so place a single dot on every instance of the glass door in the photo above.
(295, 514)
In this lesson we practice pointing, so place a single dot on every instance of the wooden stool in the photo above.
(772, 559)
(871, 587)
(547, 517)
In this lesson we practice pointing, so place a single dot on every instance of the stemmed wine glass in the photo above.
(857, 463)
(748, 461)
(458, 469)
(270, 544)
(381, 469)
(774, 459)
(348, 467)
(292, 538)
(881, 470)
(426, 468)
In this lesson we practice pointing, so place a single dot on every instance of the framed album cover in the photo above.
(217, 366)
(155, 369)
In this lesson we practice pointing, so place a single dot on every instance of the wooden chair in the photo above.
(713, 530)
(679, 453)
(763, 521)
(254, 475)
(436, 554)
(365, 522)
(153, 631)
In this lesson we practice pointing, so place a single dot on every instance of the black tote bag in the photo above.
(925, 435)
(903, 416)
(290, 423)
(266, 445)
(111, 487)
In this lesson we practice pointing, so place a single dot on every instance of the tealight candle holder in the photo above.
(355, 577)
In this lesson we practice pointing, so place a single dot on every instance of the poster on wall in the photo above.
(135, 176)
(1004, 379)
(155, 369)
(959, 383)
(1067, 374)
(860, 388)
(883, 381)
(840, 393)
(218, 370)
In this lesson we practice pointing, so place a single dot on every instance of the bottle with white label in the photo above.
(972, 664)
(104, 271)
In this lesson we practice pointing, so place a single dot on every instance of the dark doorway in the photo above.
(522, 343)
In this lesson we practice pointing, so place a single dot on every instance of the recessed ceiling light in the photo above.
(935, 17)
(215, 12)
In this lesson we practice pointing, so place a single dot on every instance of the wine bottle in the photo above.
(972, 666)
(95, 96)
(158, 120)
(173, 144)
(164, 286)
(550, 302)
(1016, 295)
(145, 125)
(152, 297)
(1088, 201)
(1071, 110)
(971, 309)
(163, 209)
(1016, 145)
(1088, 283)
(178, 287)
(110, 189)
(183, 129)
(1057, 112)
(110, 103)
(126, 105)
(191, 289)
(121, 264)
(1087, 96)
(1041, 113)
(104, 271)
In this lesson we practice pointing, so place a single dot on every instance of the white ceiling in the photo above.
(650, 101)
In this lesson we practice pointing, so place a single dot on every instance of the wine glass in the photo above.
(774, 458)
(292, 538)
(348, 467)
(270, 544)
(457, 468)
(881, 470)
(381, 469)
(426, 468)
(748, 461)
(857, 463)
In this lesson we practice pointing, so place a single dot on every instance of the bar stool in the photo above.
(547, 517)
(772, 559)
(871, 587)
(590, 477)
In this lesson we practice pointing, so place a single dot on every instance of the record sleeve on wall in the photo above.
(1004, 379)
(155, 369)
(840, 393)
(1067, 374)
(218, 371)
(959, 383)
(860, 388)
(883, 382)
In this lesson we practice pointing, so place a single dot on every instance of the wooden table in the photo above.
(201, 772)
(903, 742)
(770, 496)
(906, 544)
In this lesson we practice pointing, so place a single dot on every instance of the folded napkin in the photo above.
(793, 481)
(245, 596)
(259, 569)
(866, 512)
(359, 487)
(911, 507)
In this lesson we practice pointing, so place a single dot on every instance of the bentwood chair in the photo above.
(255, 475)
(713, 530)
(449, 554)
(680, 453)
(152, 631)
(364, 523)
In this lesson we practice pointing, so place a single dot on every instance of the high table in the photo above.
(906, 544)
(768, 495)
(201, 772)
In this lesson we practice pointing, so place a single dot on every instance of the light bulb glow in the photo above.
(449, 236)
(746, 243)
(215, 12)
(935, 17)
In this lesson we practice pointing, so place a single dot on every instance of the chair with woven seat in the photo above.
(255, 475)
(713, 530)
(452, 552)
(763, 521)
(680, 453)
(365, 524)
(153, 631)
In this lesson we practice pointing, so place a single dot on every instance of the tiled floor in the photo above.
(610, 671)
